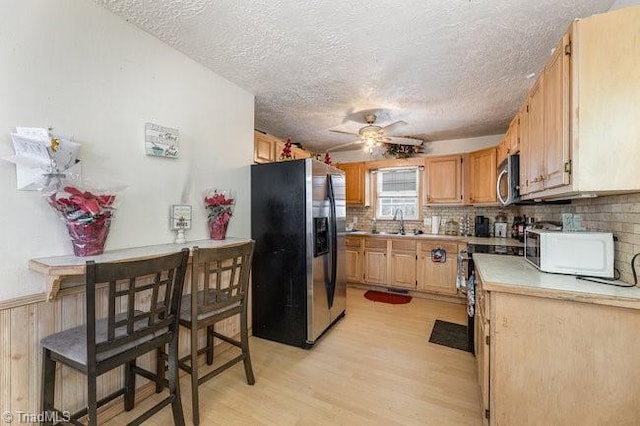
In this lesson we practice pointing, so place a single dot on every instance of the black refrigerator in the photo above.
(298, 214)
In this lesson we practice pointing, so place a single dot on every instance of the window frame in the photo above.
(375, 196)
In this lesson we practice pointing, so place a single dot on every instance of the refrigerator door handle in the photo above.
(334, 240)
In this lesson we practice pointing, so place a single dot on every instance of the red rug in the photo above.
(380, 296)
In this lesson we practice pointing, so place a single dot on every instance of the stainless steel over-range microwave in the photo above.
(508, 181)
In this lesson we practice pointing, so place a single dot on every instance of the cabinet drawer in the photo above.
(450, 248)
(355, 242)
(403, 244)
(375, 243)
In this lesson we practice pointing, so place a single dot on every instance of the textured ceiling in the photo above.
(449, 68)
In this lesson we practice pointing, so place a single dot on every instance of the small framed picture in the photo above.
(161, 141)
(180, 217)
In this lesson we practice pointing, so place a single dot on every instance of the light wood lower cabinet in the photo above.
(437, 277)
(375, 261)
(552, 361)
(354, 253)
(403, 263)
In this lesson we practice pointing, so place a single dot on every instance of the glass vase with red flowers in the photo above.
(219, 205)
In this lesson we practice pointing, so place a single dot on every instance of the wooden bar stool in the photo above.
(223, 276)
(149, 293)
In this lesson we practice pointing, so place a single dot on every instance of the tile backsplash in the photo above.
(619, 214)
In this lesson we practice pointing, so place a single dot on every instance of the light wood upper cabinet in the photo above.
(556, 116)
(444, 180)
(299, 153)
(583, 112)
(437, 277)
(355, 182)
(482, 176)
(523, 131)
(513, 135)
(267, 149)
(263, 148)
(534, 154)
(502, 150)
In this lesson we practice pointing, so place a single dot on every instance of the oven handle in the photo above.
(502, 201)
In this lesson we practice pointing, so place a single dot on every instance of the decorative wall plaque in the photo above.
(161, 141)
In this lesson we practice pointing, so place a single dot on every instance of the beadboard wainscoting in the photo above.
(619, 214)
(22, 327)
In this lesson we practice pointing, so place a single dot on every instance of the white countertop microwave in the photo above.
(574, 253)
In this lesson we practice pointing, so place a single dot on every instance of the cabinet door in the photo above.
(444, 180)
(523, 133)
(535, 140)
(278, 147)
(556, 117)
(262, 148)
(502, 150)
(354, 265)
(481, 344)
(403, 269)
(299, 153)
(375, 266)
(482, 171)
(354, 257)
(438, 277)
(514, 135)
(354, 181)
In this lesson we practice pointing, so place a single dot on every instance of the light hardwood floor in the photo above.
(375, 367)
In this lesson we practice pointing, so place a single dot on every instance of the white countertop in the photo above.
(58, 268)
(512, 274)
(469, 240)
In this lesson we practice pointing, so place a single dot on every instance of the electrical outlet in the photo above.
(427, 221)
(355, 220)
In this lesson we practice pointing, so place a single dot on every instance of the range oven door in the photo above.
(508, 180)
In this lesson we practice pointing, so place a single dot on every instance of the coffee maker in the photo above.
(481, 226)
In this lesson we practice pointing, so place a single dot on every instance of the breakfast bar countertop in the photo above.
(72, 268)
(513, 274)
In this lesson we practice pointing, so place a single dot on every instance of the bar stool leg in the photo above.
(174, 389)
(210, 344)
(194, 374)
(160, 369)
(244, 342)
(129, 385)
(48, 383)
(92, 399)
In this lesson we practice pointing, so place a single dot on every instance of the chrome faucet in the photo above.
(395, 217)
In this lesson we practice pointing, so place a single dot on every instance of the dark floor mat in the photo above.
(450, 334)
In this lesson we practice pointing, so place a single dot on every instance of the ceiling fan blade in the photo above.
(346, 146)
(343, 132)
(391, 127)
(403, 141)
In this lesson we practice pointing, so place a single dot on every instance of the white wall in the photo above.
(430, 148)
(86, 72)
(619, 4)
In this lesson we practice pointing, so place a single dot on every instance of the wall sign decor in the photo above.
(180, 220)
(161, 141)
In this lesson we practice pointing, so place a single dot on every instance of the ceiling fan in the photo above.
(372, 135)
